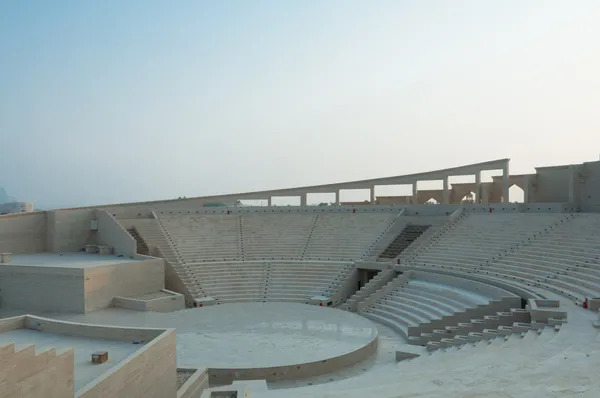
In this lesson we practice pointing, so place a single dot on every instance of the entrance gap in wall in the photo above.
(468, 198)
(516, 194)
(365, 275)
(462, 189)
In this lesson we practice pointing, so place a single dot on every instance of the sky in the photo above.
(115, 101)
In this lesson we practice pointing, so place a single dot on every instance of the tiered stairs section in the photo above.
(27, 373)
(387, 236)
(378, 281)
(489, 246)
(262, 257)
(343, 237)
(405, 238)
(149, 233)
(565, 259)
(283, 281)
(142, 247)
(426, 307)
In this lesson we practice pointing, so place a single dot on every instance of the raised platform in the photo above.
(246, 341)
(75, 282)
(41, 350)
(85, 371)
(67, 260)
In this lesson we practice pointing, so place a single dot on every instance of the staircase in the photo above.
(405, 238)
(142, 247)
(370, 287)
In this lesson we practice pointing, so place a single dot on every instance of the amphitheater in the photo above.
(388, 298)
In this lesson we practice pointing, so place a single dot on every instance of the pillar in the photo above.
(303, 199)
(446, 192)
(338, 197)
(505, 175)
(373, 194)
(526, 189)
(269, 201)
(478, 187)
(485, 193)
(415, 194)
(235, 202)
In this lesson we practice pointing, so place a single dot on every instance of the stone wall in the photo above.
(112, 234)
(69, 230)
(102, 284)
(40, 289)
(23, 233)
(23, 373)
(148, 373)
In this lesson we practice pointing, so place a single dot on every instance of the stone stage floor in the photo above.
(250, 335)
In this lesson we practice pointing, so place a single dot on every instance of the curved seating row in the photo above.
(328, 237)
(565, 259)
(435, 302)
(479, 238)
(230, 281)
(268, 281)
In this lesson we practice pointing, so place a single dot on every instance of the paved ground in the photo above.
(85, 372)
(67, 260)
(244, 335)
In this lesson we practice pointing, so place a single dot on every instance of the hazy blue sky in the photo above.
(111, 101)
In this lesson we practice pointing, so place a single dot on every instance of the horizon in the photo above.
(109, 102)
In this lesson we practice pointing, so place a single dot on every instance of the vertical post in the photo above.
(415, 194)
(269, 201)
(235, 202)
(505, 175)
(338, 197)
(446, 192)
(526, 189)
(485, 194)
(478, 186)
(373, 194)
(303, 199)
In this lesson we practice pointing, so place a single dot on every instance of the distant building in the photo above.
(16, 207)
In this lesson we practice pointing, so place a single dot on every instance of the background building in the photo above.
(16, 207)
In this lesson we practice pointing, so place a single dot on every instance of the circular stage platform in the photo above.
(248, 341)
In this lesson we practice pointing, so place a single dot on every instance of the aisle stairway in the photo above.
(405, 238)
(142, 247)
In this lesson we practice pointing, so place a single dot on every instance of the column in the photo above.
(338, 197)
(235, 202)
(446, 192)
(485, 194)
(303, 199)
(526, 188)
(505, 175)
(415, 197)
(478, 187)
(269, 201)
(373, 194)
